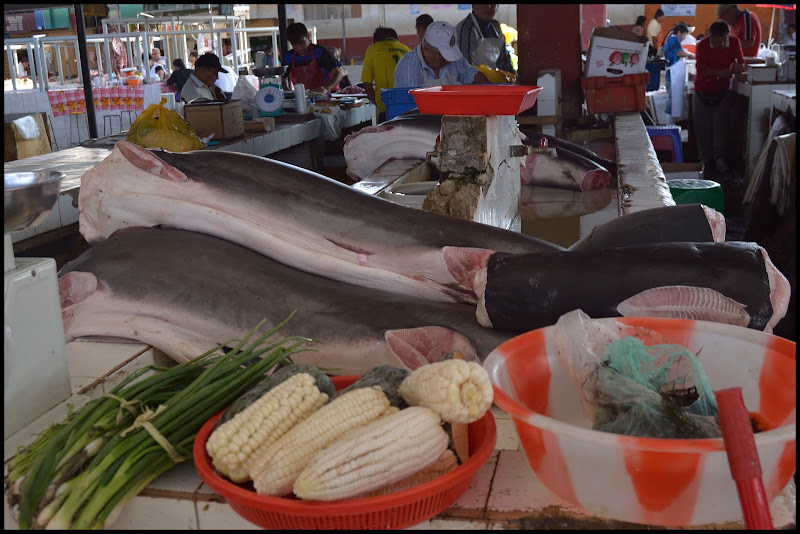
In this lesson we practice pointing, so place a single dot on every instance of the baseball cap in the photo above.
(722, 8)
(442, 36)
(209, 60)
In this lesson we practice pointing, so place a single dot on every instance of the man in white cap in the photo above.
(436, 61)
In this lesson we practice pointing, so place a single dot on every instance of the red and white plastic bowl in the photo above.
(669, 482)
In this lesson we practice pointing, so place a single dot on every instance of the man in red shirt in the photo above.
(745, 26)
(719, 56)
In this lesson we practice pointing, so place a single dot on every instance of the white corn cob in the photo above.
(275, 471)
(377, 454)
(234, 445)
(459, 391)
(445, 463)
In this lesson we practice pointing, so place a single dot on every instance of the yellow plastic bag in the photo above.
(159, 127)
(497, 75)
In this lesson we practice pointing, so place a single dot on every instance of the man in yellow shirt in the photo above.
(380, 59)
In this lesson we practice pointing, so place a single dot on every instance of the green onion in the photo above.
(82, 471)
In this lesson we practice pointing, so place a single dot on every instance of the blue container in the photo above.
(397, 101)
(654, 68)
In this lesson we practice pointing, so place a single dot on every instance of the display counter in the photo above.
(505, 493)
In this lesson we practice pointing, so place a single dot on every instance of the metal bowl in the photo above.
(28, 197)
(262, 72)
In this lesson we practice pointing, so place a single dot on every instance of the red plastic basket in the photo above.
(397, 510)
(620, 94)
(476, 99)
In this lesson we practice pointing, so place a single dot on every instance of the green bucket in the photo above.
(696, 191)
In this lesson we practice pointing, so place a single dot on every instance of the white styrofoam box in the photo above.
(549, 129)
(761, 73)
(546, 107)
(683, 171)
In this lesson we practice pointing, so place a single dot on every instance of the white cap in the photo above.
(442, 36)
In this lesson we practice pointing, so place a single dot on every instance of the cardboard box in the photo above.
(223, 119)
(18, 147)
(614, 52)
(682, 171)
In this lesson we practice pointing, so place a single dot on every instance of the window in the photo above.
(331, 11)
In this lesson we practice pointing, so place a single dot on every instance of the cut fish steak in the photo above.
(526, 291)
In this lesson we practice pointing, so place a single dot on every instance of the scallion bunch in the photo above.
(80, 472)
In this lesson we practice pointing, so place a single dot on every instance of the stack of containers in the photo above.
(615, 76)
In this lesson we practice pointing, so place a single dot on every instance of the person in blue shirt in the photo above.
(436, 61)
(673, 52)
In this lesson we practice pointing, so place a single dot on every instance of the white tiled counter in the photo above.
(505, 494)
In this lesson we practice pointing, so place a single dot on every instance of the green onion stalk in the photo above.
(80, 472)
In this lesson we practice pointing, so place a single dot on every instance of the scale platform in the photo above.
(35, 373)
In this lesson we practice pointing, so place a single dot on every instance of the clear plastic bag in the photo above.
(160, 127)
(633, 383)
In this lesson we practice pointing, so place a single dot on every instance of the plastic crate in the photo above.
(397, 101)
(609, 95)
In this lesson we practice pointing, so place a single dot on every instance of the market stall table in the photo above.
(505, 494)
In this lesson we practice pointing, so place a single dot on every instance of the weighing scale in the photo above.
(269, 99)
(35, 373)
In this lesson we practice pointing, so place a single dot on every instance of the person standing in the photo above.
(309, 64)
(719, 56)
(638, 28)
(674, 54)
(201, 82)
(192, 58)
(180, 75)
(422, 23)
(380, 60)
(481, 40)
(791, 30)
(336, 52)
(654, 28)
(436, 61)
(745, 26)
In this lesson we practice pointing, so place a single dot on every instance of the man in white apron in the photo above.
(436, 61)
(481, 40)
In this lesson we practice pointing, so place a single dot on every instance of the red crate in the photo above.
(609, 95)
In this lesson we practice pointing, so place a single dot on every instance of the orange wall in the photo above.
(707, 14)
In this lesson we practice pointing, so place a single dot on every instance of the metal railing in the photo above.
(136, 45)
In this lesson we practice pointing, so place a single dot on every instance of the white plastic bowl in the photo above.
(669, 482)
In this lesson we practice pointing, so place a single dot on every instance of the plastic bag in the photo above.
(246, 92)
(159, 127)
(497, 75)
(631, 382)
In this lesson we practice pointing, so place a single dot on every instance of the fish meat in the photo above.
(295, 216)
(685, 302)
(533, 137)
(694, 223)
(412, 135)
(565, 170)
(185, 293)
(527, 291)
(407, 136)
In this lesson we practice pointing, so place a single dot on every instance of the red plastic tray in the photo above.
(475, 99)
(398, 510)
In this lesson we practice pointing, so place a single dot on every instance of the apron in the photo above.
(677, 86)
(427, 81)
(310, 75)
(487, 50)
